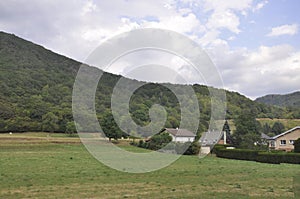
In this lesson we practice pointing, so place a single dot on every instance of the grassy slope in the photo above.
(52, 170)
(288, 123)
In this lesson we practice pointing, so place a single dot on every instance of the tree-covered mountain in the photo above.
(288, 100)
(36, 93)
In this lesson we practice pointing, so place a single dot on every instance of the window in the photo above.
(282, 142)
(292, 141)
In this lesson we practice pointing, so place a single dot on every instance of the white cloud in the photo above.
(179, 23)
(88, 7)
(267, 69)
(260, 5)
(209, 37)
(227, 5)
(75, 29)
(226, 19)
(225, 14)
(284, 30)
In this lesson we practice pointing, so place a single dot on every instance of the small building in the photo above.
(285, 141)
(180, 135)
(209, 139)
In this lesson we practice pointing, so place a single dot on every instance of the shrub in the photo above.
(238, 154)
(273, 158)
(297, 146)
(277, 158)
(193, 149)
(187, 148)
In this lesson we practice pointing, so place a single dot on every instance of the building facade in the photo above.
(285, 141)
(180, 135)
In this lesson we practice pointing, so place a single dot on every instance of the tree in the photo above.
(247, 130)
(158, 141)
(277, 128)
(110, 127)
(297, 146)
(226, 128)
(193, 149)
(49, 122)
(266, 129)
(71, 128)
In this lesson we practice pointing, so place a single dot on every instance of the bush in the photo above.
(187, 148)
(238, 154)
(272, 158)
(297, 146)
(220, 146)
(275, 157)
(193, 149)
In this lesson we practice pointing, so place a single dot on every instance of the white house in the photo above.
(180, 135)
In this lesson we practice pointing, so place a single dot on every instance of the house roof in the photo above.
(264, 136)
(180, 132)
(284, 133)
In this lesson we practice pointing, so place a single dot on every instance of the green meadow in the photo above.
(41, 165)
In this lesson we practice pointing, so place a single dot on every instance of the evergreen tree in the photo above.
(266, 129)
(297, 146)
(247, 131)
(277, 128)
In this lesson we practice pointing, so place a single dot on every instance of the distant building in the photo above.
(285, 141)
(180, 135)
(210, 138)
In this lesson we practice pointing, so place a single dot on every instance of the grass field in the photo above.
(38, 165)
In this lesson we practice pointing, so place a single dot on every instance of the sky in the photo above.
(255, 44)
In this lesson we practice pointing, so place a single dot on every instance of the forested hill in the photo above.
(288, 100)
(36, 93)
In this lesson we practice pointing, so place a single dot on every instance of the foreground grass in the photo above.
(41, 168)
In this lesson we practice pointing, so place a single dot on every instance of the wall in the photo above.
(290, 136)
(182, 139)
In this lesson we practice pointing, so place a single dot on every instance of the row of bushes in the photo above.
(277, 158)
(259, 156)
(187, 148)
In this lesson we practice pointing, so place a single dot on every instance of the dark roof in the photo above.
(284, 133)
(180, 132)
(264, 136)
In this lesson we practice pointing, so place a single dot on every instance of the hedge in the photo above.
(238, 154)
(277, 158)
(259, 156)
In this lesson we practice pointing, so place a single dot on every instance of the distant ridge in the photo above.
(288, 100)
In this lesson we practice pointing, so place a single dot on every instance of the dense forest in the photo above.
(36, 93)
(289, 100)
